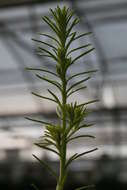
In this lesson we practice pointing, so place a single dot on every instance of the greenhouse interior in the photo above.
(20, 22)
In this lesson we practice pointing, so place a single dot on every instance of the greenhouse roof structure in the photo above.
(19, 22)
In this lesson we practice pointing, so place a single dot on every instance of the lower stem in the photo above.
(62, 176)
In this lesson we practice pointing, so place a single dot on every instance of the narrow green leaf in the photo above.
(70, 41)
(54, 15)
(85, 34)
(85, 187)
(38, 121)
(44, 164)
(39, 69)
(85, 125)
(82, 73)
(70, 16)
(70, 160)
(51, 24)
(56, 98)
(77, 83)
(34, 186)
(39, 41)
(43, 55)
(78, 48)
(58, 112)
(81, 55)
(77, 122)
(77, 128)
(80, 136)
(48, 52)
(84, 153)
(72, 92)
(50, 142)
(44, 97)
(55, 51)
(48, 135)
(75, 22)
(47, 148)
(90, 102)
(51, 37)
(50, 81)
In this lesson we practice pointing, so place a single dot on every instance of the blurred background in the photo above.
(19, 22)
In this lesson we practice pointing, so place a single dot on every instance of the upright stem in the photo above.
(62, 60)
(62, 176)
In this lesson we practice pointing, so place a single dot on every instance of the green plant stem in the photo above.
(62, 176)
(57, 136)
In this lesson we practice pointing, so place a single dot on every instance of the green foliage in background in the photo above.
(70, 115)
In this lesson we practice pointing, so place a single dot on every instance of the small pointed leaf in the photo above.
(81, 73)
(39, 69)
(90, 102)
(85, 187)
(48, 52)
(47, 148)
(77, 83)
(80, 136)
(78, 48)
(51, 37)
(85, 34)
(51, 24)
(55, 83)
(38, 121)
(34, 186)
(72, 92)
(45, 43)
(43, 163)
(81, 55)
(84, 153)
(44, 97)
(70, 41)
(71, 159)
(56, 98)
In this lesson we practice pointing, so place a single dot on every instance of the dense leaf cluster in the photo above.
(57, 136)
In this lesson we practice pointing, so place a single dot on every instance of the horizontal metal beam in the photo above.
(15, 3)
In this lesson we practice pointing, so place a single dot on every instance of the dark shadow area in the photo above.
(103, 173)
